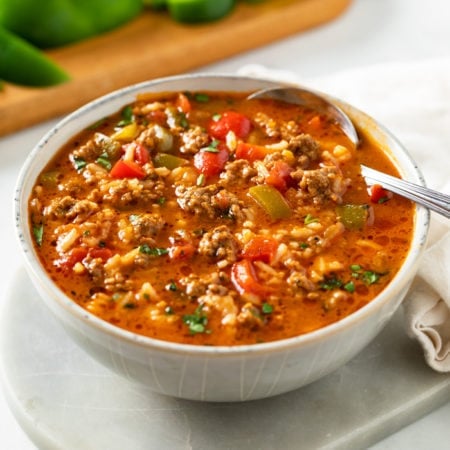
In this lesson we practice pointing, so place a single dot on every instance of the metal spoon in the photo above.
(429, 198)
(304, 97)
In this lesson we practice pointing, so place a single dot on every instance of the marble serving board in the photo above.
(64, 399)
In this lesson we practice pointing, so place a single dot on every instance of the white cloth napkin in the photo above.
(413, 101)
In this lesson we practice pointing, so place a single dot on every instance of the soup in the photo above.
(207, 218)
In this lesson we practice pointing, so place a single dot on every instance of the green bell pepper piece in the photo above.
(197, 11)
(353, 217)
(169, 161)
(21, 63)
(271, 201)
(52, 23)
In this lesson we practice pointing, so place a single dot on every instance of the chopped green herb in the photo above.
(216, 117)
(266, 308)
(38, 233)
(212, 147)
(370, 277)
(331, 283)
(127, 116)
(182, 120)
(153, 251)
(86, 233)
(197, 322)
(202, 98)
(303, 245)
(355, 267)
(168, 310)
(172, 286)
(129, 305)
(349, 287)
(310, 219)
(97, 124)
(103, 160)
(79, 163)
(146, 296)
(201, 179)
(161, 200)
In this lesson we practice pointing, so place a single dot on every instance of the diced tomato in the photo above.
(139, 152)
(378, 194)
(75, 255)
(280, 176)
(127, 169)
(211, 163)
(183, 103)
(250, 152)
(315, 122)
(245, 280)
(230, 121)
(141, 155)
(103, 253)
(158, 116)
(181, 251)
(260, 248)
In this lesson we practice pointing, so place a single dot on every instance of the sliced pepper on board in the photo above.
(53, 23)
(21, 63)
(196, 11)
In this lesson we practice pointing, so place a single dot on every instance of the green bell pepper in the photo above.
(53, 23)
(271, 201)
(196, 11)
(21, 63)
(353, 217)
(169, 161)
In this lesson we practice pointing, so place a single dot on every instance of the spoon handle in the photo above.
(434, 200)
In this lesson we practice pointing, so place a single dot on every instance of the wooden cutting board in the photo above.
(152, 46)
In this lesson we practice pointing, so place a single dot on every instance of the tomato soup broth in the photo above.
(206, 218)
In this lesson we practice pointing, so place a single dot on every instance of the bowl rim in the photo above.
(35, 268)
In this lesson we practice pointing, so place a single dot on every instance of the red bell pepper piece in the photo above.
(244, 279)
(181, 251)
(127, 169)
(230, 121)
(250, 152)
(211, 162)
(260, 248)
(183, 103)
(378, 194)
(280, 176)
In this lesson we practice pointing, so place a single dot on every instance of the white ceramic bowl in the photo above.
(212, 373)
